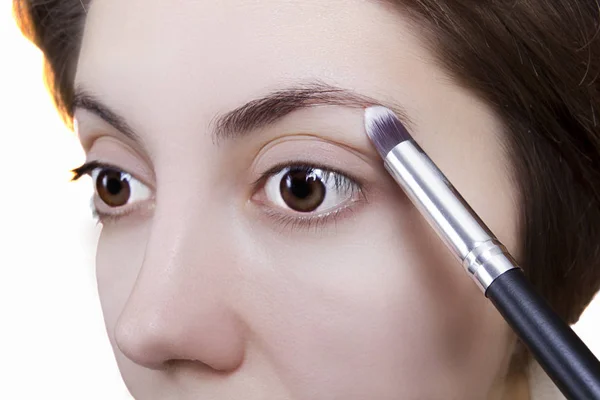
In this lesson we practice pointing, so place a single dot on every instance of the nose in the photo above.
(178, 307)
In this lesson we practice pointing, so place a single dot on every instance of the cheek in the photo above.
(385, 304)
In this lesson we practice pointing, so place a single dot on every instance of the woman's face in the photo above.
(258, 249)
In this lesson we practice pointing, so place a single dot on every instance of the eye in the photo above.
(307, 189)
(117, 188)
(116, 192)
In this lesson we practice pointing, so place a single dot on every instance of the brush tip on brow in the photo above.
(384, 129)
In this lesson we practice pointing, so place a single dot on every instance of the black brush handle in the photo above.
(560, 352)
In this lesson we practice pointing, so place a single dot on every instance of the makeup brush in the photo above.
(560, 352)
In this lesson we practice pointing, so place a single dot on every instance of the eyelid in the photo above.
(89, 166)
(306, 149)
(115, 152)
(291, 164)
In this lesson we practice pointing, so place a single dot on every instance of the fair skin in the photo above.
(212, 287)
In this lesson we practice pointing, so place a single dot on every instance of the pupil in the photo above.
(113, 186)
(301, 186)
(302, 191)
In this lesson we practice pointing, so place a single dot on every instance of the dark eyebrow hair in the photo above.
(251, 116)
(266, 110)
(86, 101)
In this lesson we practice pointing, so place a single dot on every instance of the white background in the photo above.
(52, 338)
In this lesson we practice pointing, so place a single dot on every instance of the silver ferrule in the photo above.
(465, 234)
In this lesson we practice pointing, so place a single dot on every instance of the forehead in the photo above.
(219, 53)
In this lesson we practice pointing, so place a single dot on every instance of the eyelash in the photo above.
(88, 167)
(308, 223)
(294, 221)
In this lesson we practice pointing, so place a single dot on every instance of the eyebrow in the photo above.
(253, 115)
(84, 100)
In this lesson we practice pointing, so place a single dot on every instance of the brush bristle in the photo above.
(384, 129)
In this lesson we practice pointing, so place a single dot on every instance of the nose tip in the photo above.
(155, 339)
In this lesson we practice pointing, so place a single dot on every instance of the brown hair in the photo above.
(536, 62)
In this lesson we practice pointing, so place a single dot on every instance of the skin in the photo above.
(205, 293)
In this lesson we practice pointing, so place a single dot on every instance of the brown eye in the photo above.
(302, 191)
(116, 188)
(113, 188)
(305, 189)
